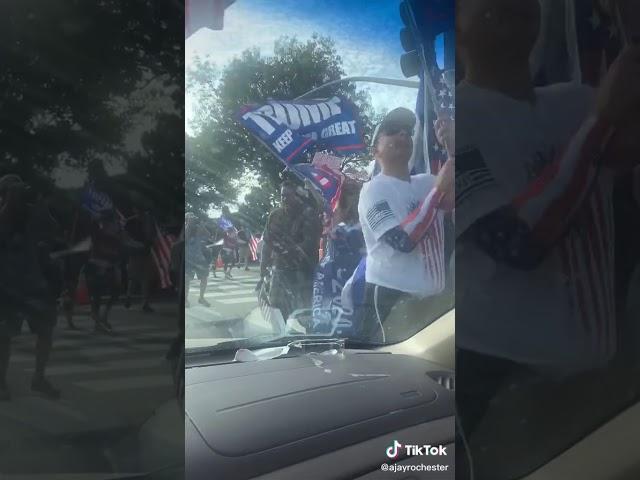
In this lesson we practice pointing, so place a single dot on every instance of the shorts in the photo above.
(40, 314)
(228, 256)
(199, 271)
(73, 265)
(102, 280)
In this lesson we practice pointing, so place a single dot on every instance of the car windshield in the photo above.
(275, 245)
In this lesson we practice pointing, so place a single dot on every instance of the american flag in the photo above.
(444, 99)
(253, 247)
(161, 255)
(328, 182)
(433, 18)
(598, 37)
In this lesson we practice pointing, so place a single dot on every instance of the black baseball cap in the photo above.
(397, 118)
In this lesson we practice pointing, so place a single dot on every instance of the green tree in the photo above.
(83, 80)
(253, 211)
(201, 78)
(221, 150)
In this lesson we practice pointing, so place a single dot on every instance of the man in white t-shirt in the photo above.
(534, 223)
(402, 222)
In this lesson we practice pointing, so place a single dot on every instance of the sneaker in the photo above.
(202, 301)
(42, 385)
(71, 325)
(127, 303)
(5, 394)
(147, 308)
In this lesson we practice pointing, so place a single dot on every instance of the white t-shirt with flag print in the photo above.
(385, 203)
(559, 314)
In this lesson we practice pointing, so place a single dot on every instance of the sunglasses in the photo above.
(395, 129)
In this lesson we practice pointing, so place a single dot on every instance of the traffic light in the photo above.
(409, 61)
(423, 21)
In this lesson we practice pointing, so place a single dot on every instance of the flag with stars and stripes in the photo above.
(327, 181)
(442, 104)
(161, 256)
(253, 247)
(597, 36)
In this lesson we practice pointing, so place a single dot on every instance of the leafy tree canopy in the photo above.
(222, 155)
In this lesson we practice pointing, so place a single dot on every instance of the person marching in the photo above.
(25, 294)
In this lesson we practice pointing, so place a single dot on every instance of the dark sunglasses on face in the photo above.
(393, 130)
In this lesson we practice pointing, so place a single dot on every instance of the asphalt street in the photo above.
(231, 301)
(111, 385)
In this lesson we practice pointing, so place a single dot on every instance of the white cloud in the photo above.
(245, 29)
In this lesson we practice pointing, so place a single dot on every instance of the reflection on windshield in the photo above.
(338, 232)
(306, 273)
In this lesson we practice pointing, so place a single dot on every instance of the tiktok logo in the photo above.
(394, 450)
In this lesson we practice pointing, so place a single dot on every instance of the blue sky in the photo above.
(366, 33)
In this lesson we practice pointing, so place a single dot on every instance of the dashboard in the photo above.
(315, 416)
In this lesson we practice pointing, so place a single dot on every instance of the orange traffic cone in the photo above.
(82, 292)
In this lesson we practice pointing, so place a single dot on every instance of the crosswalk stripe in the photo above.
(21, 358)
(229, 286)
(88, 332)
(235, 301)
(91, 342)
(88, 352)
(152, 347)
(40, 413)
(128, 383)
(134, 363)
(243, 291)
(136, 328)
(237, 277)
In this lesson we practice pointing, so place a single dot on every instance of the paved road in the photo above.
(111, 384)
(232, 300)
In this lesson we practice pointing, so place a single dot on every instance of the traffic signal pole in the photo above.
(380, 80)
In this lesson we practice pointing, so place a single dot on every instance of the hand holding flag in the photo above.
(446, 134)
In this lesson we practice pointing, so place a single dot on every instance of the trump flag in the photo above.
(290, 128)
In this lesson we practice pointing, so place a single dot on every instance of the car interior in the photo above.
(336, 413)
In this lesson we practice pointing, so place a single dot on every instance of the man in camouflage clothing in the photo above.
(291, 243)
